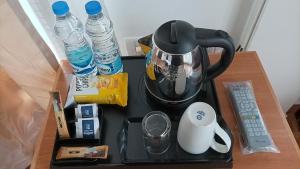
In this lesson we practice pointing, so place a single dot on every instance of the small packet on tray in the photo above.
(87, 128)
(102, 89)
(86, 111)
(82, 152)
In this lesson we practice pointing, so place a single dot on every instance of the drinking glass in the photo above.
(156, 127)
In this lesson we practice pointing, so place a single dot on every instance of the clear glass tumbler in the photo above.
(156, 127)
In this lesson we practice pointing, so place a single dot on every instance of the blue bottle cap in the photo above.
(60, 8)
(93, 7)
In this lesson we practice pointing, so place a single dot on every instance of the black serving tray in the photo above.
(121, 124)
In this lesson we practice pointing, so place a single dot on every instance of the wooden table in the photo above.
(246, 66)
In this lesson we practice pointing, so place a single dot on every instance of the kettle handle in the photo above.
(216, 38)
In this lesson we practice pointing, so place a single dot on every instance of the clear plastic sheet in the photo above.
(21, 119)
(252, 136)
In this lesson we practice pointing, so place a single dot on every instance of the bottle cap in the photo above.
(60, 8)
(93, 7)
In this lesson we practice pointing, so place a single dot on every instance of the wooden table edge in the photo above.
(43, 128)
(282, 114)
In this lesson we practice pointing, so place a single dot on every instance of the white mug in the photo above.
(197, 128)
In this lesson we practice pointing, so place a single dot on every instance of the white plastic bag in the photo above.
(21, 119)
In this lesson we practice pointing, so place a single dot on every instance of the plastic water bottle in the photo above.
(70, 30)
(105, 47)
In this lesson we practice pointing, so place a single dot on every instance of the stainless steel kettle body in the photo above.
(177, 65)
(170, 77)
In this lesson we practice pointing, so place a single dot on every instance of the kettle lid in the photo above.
(176, 37)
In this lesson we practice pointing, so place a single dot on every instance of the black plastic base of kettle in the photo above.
(152, 100)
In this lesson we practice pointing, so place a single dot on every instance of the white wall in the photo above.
(40, 14)
(277, 41)
(136, 18)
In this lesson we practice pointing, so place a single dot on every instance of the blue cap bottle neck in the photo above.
(96, 16)
(63, 16)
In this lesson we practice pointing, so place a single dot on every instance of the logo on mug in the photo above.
(200, 115)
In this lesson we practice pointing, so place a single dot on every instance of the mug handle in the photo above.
(221, 148)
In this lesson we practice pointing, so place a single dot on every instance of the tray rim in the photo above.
(230, 161)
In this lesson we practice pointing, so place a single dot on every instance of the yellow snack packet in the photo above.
(102, 89)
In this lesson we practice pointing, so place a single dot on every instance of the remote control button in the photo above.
(263, 133)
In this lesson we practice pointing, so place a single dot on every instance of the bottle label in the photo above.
(105, 43)
(107, 54)
(111, 68)
(106, 58)
(82, 60)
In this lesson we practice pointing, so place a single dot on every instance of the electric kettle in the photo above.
(177, 65)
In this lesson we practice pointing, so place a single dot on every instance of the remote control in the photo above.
(254, 132)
